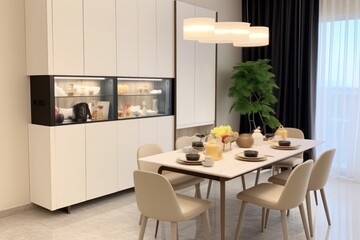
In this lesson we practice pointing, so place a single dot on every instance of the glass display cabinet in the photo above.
(58, 100)
(144, 97)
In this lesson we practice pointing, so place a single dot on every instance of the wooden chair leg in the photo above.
(142, 228)
(257, 176)
(140, 219)
(322, 191)
(174, 231)
(243, 182)
(241, 217)
(208, 189)
(263, 219)
(156, 228)
(309, 213)
(303, 218)
(315, 196)
(284, 224)
(206, 227)
(197, 190)
(266, 217)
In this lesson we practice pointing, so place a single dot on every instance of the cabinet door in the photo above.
(147, 131)
(147, 37)
(128, 142)
(165, 132)
(68, 37)
(185, 67)
(100, 37)
(205, 77)
(69, 165)
(101, 159)
(165, 32)
(127, 38)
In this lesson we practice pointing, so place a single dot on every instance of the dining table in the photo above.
(229, 166)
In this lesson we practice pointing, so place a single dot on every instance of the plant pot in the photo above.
(245, 140)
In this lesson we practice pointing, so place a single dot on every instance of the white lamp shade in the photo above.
(228, 32)
(198, 28)
(259, 36)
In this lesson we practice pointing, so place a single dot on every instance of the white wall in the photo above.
(14, 107)
(228, 56)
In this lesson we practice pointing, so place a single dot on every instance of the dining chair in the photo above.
(177, 180)
(278, 197)
(156, 198)
(186, 141)
(318, 179)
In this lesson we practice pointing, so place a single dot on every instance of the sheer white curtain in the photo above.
(338, 84)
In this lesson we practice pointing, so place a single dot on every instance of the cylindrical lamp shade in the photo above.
(228, 32)
(198, 28)
(259, 36)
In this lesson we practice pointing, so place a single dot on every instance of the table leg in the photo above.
(222, 209)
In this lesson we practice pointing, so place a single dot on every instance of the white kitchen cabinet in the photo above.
(165, 37)
(54, 37)
(195, 73)
(165, 132)
(147, 37)
(68, 37)
(100, 37)
(101, 159)
(127, 38)
(147, 131)
(57, 165)
(128, 143)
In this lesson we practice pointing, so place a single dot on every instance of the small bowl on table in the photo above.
(284, 143)
(251, 153)
(192, 156)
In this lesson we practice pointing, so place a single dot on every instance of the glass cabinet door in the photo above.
(144, 97)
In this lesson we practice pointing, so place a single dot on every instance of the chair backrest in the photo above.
(321, 170)
(296, 133)
(296, 186)
(182, 142)
(145, 151)
(155, 196)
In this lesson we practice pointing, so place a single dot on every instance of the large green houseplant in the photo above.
(252, 92)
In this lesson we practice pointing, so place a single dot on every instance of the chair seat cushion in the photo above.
(180, 181)
(264, 195)
(192, 207)
(289, 162)
(280, 178)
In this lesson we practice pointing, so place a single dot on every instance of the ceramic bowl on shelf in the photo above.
(251, 153)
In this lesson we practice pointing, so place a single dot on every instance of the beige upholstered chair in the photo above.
(177, 180)
(295, 160)
(318, 179)
(157, 199)
(277, 197)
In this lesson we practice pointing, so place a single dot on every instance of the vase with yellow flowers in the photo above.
(225, 136)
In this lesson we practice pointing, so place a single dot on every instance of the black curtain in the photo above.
(292, 51)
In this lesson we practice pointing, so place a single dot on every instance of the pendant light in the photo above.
(227, 32)
(198, 28)
(259, 36)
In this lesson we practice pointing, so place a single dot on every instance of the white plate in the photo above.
(291, 147)
(241, 156)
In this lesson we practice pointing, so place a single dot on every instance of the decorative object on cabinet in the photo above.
(252, 92)
(58, 100)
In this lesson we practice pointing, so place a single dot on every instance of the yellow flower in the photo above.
(221, 130)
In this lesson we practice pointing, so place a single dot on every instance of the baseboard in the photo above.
(16, 210)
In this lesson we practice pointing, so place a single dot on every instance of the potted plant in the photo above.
(252, 92)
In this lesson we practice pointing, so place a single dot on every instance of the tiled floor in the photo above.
(116, 217)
